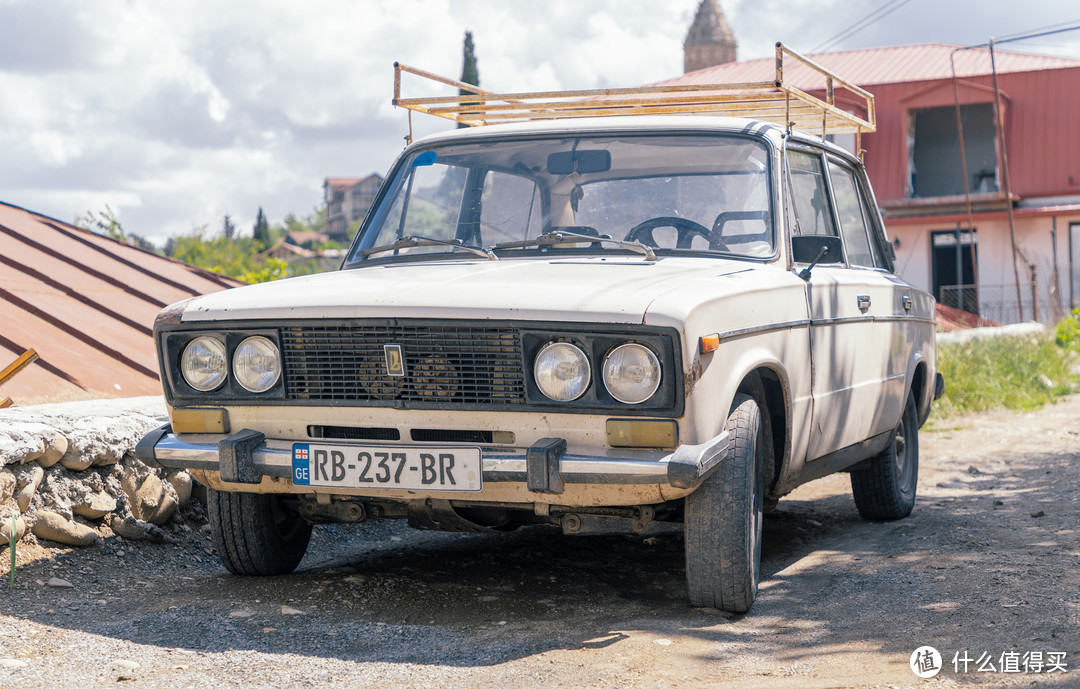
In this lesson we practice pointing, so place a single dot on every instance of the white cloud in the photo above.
(176, 113)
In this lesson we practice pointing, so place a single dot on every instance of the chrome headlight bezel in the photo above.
(213, 356)
(268, 357)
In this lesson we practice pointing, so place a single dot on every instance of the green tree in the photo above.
(469, 73)
(103, 222)
(106, 223)
(261, 231)
(228, 228)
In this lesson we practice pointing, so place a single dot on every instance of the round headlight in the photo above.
(203, 363)
(257, 364)
(631, 373)
(562, 371)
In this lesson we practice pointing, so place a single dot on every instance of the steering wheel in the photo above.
(687, 230)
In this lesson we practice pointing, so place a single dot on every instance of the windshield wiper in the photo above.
(411, 240)
(560, 237)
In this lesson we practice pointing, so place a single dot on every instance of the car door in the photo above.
(850, 306)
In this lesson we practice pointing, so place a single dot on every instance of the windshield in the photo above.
(676, 193)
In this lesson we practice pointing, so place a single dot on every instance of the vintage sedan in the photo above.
(644, 323)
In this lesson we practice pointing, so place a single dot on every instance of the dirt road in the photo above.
(986, 568)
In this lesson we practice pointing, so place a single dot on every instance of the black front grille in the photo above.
(444, 365)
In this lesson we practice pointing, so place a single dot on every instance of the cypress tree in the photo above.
(469, 74)
(261, 231)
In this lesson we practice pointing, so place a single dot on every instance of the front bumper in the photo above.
(247, 456)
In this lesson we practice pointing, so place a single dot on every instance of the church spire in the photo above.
(710, 40)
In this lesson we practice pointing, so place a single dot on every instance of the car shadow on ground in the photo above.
(384, 593)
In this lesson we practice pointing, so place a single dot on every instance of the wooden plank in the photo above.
(6, 403)
(25, 359)
(758, 100)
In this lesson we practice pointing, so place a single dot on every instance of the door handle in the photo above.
(864, 302)
(907, 302)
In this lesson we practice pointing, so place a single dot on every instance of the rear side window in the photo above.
(810, 196)
(853, 221)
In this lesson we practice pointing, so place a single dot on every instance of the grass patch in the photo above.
(1018, 373)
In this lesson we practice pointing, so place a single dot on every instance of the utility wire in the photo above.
(872, 18)
(1035, 33)
(1072, 22)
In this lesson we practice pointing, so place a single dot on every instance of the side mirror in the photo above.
(815, 249)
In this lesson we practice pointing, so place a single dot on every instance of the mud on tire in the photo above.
(723, 519)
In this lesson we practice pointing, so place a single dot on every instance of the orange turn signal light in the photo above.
(710, 343)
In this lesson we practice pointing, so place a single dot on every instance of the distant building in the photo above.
(710, 41)
(916, 169)
(348, 200)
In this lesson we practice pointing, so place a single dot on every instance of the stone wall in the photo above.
(68, 473)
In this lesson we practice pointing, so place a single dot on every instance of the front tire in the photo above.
(885, 490)
(255, 534)
(723, 519)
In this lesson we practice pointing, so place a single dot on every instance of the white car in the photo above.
(642, 323)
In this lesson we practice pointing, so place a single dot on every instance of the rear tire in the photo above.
(255, 534)
(885, 490)
(723, 519)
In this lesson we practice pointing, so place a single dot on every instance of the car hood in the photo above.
(617, 289)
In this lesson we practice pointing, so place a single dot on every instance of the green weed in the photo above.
(1018, 373)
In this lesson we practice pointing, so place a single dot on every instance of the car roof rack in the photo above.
(776, 101)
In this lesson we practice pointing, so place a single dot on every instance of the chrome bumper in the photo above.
(246, 456)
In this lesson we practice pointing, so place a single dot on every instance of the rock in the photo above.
(241, 613)
(53, 527)
(95, 506)
(137, 530)
(1038, 514)
(60, 583)
(7, 485)
(151, 499)
(126, 664)
(5, 528)
(34, 454)
(12, 663)
(286, 610)
(181, 482)
(27, 482)
(76, 462)
(54, 450)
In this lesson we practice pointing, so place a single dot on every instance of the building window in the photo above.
(934, 156)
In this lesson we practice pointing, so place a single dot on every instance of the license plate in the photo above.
(409, 468)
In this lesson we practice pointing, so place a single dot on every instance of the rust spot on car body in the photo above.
(692, 376)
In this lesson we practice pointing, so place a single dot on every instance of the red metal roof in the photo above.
(872, 66)
(86, 304)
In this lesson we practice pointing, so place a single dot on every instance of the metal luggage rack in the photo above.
(775, 101)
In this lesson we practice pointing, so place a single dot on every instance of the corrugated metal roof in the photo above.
(86, 304)
(897, 64)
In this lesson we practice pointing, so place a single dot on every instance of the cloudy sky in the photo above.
(176, 113)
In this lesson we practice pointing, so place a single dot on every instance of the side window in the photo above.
(809, 195)
(878, 241)
(511, 208)
(849, 207)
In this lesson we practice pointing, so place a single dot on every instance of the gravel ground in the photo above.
(987, 564)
